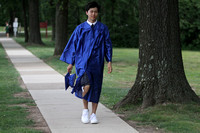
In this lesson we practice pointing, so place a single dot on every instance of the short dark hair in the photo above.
(92, 4)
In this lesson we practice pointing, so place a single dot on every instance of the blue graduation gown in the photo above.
(86, 49)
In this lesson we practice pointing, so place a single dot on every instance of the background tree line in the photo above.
(121, 17)
(153, 25)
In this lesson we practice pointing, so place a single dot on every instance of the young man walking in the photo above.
(86, 49)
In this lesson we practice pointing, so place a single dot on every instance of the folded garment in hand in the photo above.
(69, 80)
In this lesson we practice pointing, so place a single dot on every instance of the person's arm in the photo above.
(109, 67)
(108, 50)
(69, 68)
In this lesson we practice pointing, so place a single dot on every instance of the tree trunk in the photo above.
(53, 19)
(12, 17)
(34, 27)
(25, 20)
(160, 76)
(53, 28)
(61, 26)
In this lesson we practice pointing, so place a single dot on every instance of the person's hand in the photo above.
(69, 68)
(109, 67)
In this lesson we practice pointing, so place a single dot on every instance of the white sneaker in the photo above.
(85, 116)
(93, 119)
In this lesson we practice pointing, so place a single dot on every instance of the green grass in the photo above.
(12, 117)
(175, 118)
(2, 29)
(117, 84)
(191, 61)
(170, 117)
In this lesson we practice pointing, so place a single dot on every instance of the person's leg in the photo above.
(93, 118)
(85, 90)
(85, 113)
(94, 107)
(85, 104)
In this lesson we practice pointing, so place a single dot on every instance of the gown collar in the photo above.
(91, 23)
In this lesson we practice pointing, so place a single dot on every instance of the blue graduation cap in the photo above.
(69, 80)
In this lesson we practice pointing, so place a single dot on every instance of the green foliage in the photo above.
(122, 20)
(190, 23)
(10, 9)
(47, 10)
(121, 17)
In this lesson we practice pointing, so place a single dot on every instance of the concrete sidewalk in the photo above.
(61, 110)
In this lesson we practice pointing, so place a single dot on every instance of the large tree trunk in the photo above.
(34, 24)
(61, 26)
(25, 20)
(160, 77)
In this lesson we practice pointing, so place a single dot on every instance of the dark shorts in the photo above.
(85, 80)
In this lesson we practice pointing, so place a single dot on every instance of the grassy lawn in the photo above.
(13, 118)
(169, 117)
(2, 28)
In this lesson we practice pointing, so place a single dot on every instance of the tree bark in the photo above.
(61, 26)
(12, 17)
(53, 19)
(53, 28)
(25, 20)
(160, 75)
(34, 24)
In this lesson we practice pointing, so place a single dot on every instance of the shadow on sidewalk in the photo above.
(2, 34)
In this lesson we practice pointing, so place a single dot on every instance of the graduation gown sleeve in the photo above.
(108, 46)
(68, 54)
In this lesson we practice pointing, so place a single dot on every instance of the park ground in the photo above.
(161, 118)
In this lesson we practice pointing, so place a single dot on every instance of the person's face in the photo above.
(92, 14)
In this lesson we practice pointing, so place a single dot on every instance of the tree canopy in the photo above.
(121, 17)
